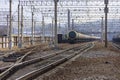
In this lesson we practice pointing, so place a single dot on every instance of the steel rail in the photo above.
(33, 60)
(53, 64)
(20, 64)
(116, 46)
(6, 70)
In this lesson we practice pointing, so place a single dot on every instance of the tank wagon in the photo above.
(74, 37)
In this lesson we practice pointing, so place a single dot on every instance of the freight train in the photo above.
(74, 37)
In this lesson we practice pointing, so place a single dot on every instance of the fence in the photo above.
(4, 40)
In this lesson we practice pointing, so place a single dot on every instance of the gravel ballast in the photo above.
(97, 64)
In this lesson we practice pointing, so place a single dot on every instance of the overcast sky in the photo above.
(4, 5)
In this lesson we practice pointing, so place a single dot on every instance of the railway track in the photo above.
(115, 45)
(14, 58)
(27, 70)
(19, 56)
(31, 56)
(5, 54)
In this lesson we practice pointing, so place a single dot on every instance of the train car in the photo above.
(116, 38)
(74, 37)
(62, 38)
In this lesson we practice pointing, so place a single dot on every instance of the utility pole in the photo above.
(59, 29)
(21, 26)
(43, 30)
(69, 20)
(10, 29)
(7, 25)
(72, 24)
(32, 29)
(106, 11)
(55, 14)
(66, 29)
(52, 29)
(102, 30)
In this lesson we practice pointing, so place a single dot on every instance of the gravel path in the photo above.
(97, 64)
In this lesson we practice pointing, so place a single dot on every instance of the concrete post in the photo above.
(59, 29)
(19, 26)
(32, 29)
(69, 28)
(55, 14)
(102, 30)
(7, 25)
(10, 29)
(106, 11)
(72, 24)
(21, 41)
(52, 30)
(43, 30)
